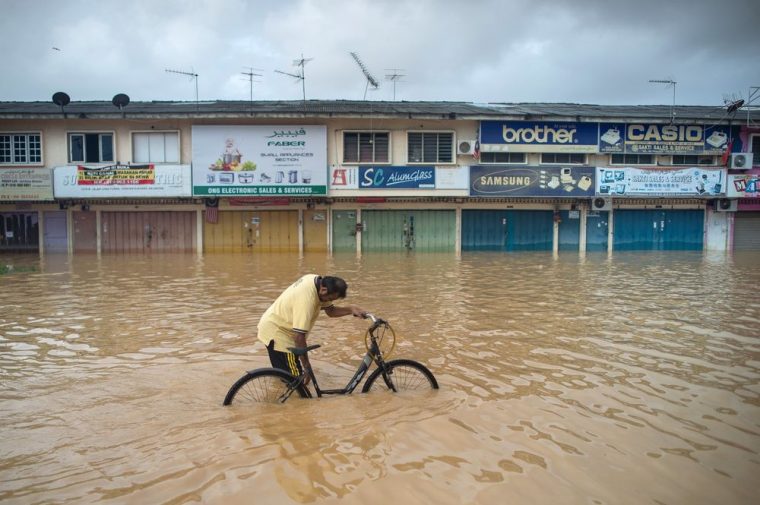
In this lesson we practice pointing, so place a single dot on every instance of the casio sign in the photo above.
(664, 133)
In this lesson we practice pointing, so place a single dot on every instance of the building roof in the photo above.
(358, 109)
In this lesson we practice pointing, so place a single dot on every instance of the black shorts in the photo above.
(284, 360)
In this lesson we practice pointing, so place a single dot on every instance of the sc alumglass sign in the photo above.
(538, 136)
(259, 160)
(397, 177)
(499, 181)
(646, 138)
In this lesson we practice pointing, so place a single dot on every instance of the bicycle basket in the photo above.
(385, 338)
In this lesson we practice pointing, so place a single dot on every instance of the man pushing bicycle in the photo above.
(291, 317)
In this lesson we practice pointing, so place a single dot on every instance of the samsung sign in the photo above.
(538, 136)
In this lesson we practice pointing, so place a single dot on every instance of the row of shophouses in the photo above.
(362, 177)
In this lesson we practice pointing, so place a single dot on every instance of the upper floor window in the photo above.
(755, 149)
(365, 147)
(90, 147)
(632, 159)
(155, 147)
(563, 158)
(502, 157)
(693, 159)
(20, 149)
(430, 147)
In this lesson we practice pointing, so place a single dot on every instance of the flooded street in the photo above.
(624, 379)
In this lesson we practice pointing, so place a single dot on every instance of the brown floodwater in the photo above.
(624, 379)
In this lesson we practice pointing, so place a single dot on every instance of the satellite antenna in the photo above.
(192, 75)
(251, 74)
(394, 77)
(669, 82)
(370, 80)
(121, 100)
(61, 99)
(302, 76)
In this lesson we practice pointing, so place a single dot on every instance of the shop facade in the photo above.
(456, 178)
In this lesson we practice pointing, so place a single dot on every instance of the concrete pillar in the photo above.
(199, 231)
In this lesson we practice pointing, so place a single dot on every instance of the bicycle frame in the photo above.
(373, 354)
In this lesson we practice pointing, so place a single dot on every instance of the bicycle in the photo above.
(272, 385)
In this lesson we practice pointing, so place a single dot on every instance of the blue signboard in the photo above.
(538, 136)
(397, 177)
(532, 181)
(651, 138)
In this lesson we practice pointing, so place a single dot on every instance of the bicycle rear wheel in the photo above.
(403, 375)
(264, 385)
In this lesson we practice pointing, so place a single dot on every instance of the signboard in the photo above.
(538, 136)
(741, 186)
(344, 178)
(452, 177)
(645, 138)
(31, 184)
(397, 177)
(259, 160)
(693, 181)
(531, 181)
(122, 181)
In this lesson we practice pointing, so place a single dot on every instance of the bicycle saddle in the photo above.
(300, 351)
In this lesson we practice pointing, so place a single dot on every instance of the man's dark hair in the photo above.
(335, 285)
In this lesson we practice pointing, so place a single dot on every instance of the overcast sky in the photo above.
(579, 51)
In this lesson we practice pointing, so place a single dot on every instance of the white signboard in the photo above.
(743, 186)
(26, 184)
(122, 181)
(693, 181)
(260, 160)
(343, 177)
(452, 178)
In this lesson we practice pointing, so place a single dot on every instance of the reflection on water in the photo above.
(630, 378)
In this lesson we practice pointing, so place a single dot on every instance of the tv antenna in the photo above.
(669, 82)
(370, 80)
(251, 74)
(394, 77)
(302, 76)
(192, 76)
(753, 96)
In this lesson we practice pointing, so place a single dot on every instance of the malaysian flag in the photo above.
(212, 210)
(476, 151)
(727, 153)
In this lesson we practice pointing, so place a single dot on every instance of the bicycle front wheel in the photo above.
(264, 385)
(401, 375)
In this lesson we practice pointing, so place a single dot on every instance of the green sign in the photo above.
(259, 190)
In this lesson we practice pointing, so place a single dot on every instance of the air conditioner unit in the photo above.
(726, 205)
(600, 203)
(466, 146)
(740, 160)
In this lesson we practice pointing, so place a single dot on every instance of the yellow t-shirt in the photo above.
(296, 308)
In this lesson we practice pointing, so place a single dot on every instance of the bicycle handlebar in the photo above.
(375, 320)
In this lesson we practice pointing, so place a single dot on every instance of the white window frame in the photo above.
(437, 162)
(163, 132)
(713, 158)
(524, 162)
(582, 163)
(99, 133)
(625, 163)
(27, 134)
(371, 132)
